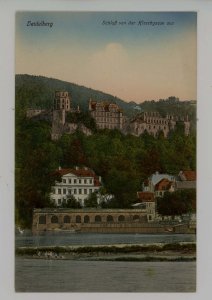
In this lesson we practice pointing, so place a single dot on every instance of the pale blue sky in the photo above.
(129, 61)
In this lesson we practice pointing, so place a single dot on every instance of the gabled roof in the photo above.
(145, 196)
(156, 177)
(187, 175)
(163, 185)
(106, 105)
(81, 172)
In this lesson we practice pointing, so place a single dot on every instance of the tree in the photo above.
(91, 201)
(71, 202)
(177, 203)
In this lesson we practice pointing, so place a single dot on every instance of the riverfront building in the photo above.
(78, 182)
(99, 221)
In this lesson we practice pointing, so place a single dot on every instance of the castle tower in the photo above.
(62, 101)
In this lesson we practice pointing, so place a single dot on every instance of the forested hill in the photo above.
(38, 92)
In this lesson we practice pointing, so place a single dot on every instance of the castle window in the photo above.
(64, 191)
(136, 218)
(69, 180)
(64, 180)
(75, 191)
(85, 191)
(42, 219)
(79, 180)
(54, 219)
(80, 191)
(75, 181)
(121, 218)
(85, 181)
(59, 191)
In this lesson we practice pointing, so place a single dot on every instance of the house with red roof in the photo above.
(78, 182)
(186, 180)
(164, 185)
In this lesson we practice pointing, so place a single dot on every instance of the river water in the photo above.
(63, 239)
(37, 275)
(40, 275)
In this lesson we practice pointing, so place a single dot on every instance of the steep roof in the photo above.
(81, 172)
(156, 177)
(187, 175)
(106, 106)
(145, 196)
(163, 185)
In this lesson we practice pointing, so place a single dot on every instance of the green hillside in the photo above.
(38, 92)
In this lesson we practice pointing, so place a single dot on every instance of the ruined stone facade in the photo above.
(62, 101)
(107, 115)
(154, 123)
(62, 105)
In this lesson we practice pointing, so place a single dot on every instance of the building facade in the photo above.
(77, 182)
(62, 101)
(164, 185)
(186, 180)
(146, 200)
(107, 115)
(153, 123)
(98, 221)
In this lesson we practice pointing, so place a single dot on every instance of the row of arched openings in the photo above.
(85, 219)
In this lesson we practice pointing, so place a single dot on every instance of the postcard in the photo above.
(105, 162)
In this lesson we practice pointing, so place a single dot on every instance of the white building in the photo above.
(78, 182)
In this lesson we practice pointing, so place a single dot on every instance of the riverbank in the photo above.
(147, 252)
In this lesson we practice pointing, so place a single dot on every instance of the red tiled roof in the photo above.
(163, 185)
(105, 105)
(145, 196)
(189, 175)
(81, 172)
